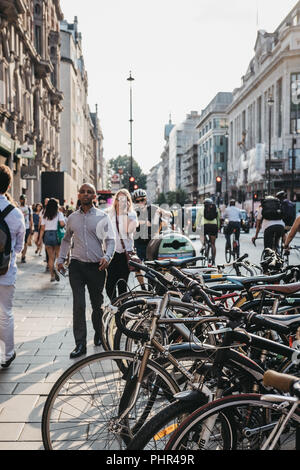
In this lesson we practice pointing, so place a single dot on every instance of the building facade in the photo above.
(181, 137)
(81, 135)
(213, 145)
(30, 96)
(264, 117)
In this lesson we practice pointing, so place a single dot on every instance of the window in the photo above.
(295, 104)
(259, 120)
(37, 9)
(38, 39)
(279, 109)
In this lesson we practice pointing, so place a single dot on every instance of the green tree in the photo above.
(161, 199)
(177, 197)
(123, 163)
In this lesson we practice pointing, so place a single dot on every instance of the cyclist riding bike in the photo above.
(269, 219)
(208, 223)
(151, 221)
(234, 216)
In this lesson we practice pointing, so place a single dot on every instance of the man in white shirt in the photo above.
(233, 215)
(16, 226)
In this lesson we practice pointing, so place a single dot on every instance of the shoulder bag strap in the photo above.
(6, 211)
(121, 239)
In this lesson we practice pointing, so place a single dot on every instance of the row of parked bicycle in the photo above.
(205, 358)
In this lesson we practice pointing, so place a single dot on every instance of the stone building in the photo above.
(264, 117)
(181, 137)
(81, 135)
(31, 100)
(212, 144)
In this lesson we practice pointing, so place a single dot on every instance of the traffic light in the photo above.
(135, 187)
(131, 184)
(218, 184)
(255, 197)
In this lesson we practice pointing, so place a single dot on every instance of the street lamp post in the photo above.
(204, 163)
(226, 167)
(270, 104)
(294, 141)
(130, 80)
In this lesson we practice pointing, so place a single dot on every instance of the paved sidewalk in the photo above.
(44, 340)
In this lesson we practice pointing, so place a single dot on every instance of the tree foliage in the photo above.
(123, 163)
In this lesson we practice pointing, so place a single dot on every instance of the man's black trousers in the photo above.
(82, 275)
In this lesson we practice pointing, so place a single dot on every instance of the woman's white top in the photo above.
(52, 224)
(127, 227)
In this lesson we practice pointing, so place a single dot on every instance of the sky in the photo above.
(181, 54)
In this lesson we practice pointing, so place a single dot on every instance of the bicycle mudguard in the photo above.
(131, 382)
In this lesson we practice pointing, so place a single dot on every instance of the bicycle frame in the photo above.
(224, 354)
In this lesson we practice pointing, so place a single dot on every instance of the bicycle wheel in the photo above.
(241, 422)
(227, 253)
(82, 408)
(156, 434)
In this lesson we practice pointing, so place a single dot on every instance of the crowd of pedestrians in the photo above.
(94, 244)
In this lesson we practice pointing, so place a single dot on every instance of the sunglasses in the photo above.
(140, 200)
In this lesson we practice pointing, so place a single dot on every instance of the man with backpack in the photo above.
(270, 220)
(288, 209)
(12, 233)
(208, 222)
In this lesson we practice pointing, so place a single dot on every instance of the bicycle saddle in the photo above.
(260, 278)
(281, 289)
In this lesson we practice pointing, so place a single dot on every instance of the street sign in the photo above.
(26, 151)
(29, 172)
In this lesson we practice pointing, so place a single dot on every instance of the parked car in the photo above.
(245, 222)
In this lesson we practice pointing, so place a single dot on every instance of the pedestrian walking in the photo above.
(124, 221)
(52, 220)
(27, 214)
(90, 236)
(37, 209)
(12, 231)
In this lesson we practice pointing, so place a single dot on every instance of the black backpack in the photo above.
(5, 241)
(288, 212)
(210, 211)
(271, 209)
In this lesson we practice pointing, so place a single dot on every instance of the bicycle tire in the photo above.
(233, 423)
(156, 434)
(81, 409)
(227, 254)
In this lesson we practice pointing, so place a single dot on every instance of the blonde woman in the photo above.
(124, 221)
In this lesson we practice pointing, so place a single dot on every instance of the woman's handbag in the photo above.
(61, 231)
(130, 255)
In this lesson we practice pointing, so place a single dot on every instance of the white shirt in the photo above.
(268, 223)
(52, 224)
(127, 237)
(16, 224)
(26, 211)
(233, 214)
